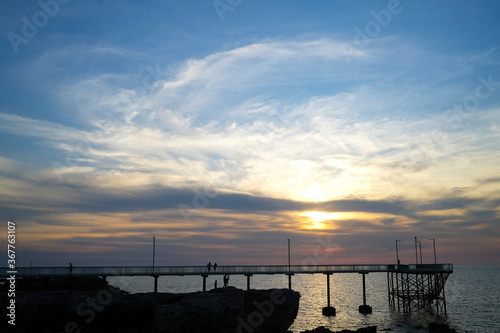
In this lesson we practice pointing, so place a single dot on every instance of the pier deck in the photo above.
(231, 270)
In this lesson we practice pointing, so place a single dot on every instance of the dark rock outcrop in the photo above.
(110, 310)
(322, 329)
(441, 328)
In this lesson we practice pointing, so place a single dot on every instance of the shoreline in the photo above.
(93, 305)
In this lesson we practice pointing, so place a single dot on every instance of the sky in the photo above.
(225, 128)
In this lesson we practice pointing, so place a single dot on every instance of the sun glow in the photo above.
(314, 194)
(318, 218)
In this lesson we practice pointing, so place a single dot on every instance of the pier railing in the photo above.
(203, 270)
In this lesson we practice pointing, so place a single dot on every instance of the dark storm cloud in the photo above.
(490, 180)
(396, 206)
(153, 198)
(449, 203)
(91, 200)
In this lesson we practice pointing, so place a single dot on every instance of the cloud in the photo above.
(220, 69)
(196, 88)
(37, 128)
(490, 180)
(313, 153)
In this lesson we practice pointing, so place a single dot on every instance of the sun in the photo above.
(318, 217)
(314, 194)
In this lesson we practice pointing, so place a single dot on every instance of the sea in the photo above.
(472, 299)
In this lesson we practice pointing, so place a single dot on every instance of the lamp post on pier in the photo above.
(154, 276)
(420, 245)
(154, 245)
(434, 243)
(397, 253)
(288, 254)
(416, 251)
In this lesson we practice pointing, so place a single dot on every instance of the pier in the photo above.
(410, 287)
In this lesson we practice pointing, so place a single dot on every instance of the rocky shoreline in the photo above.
(94, 306)
(322, 329)
(433, 327)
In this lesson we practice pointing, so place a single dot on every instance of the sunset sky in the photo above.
(224, 128)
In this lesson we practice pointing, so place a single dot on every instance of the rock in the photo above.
(369, 329)
(110, 310)
(322, 329)
(441, 328)
(230, 309)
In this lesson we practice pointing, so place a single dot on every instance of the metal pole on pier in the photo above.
(420, 245)
(155, 276)
(434, 243)
(416, 251)
(288, 255)
(289, 273)
(154, 245)
(397, 252)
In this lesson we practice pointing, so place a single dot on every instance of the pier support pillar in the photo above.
(204, 282)
(365, 309)
(328, 310)
(444, 302)
(248, 280)
(412, 291)
(290, 280)
(156, 283)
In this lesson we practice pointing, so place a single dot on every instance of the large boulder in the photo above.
(322, 329)
(230, 310)
(110, 310)
(441, 328)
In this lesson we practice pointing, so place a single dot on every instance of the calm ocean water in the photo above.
(472, 295)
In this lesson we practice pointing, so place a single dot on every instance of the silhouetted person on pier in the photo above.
(226, 280)
(215, 284)
(70, 269)
(215, 267)
(209, 265)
